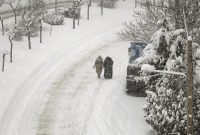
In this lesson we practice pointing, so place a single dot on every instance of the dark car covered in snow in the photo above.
(135, 84)
(135, 50)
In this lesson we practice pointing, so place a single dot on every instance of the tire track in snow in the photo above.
(19, 109)
(44, 126)
(36, 76)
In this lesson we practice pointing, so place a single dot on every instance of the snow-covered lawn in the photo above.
(53, 89)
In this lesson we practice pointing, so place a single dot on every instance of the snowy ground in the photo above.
(53, 89)
(22, 3)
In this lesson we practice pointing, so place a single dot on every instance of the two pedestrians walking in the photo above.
(107, 65)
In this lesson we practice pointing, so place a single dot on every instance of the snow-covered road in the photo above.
(61, 95)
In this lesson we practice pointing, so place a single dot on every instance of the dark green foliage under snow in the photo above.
(166, 98)
(73, 11)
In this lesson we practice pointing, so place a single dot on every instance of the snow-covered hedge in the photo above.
(107, 3)
(54, 18)
(73, 11)
(166, 97)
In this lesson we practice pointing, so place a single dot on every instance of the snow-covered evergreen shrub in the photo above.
(54, 18)
(165, 109)
(73, 11)
(38, 8)
(166, 98)
(107, 3)
(157, 51)
(196, 111)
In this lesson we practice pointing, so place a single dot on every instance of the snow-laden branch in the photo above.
(149, 68)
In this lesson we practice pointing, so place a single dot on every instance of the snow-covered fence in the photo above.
(136, 87)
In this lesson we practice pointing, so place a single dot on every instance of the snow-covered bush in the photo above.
(20, 29)
(107, 3)
(33, 27)
(165, 109)
(38, 8)
(15, 31)
(166, 98)
(157, 51)
(73, 11)
(54, 18)
(30, 18)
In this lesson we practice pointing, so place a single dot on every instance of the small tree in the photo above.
(1, 2)
(56, 4)
(14, 7)
(11, 47)
(2, 25)
(80, 2)
(28, 19)
(166, 98)
(4, 53)
(157, 51)
(88, 11)
(37, 8)
(40, 23)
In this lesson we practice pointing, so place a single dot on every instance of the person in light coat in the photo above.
(99, 65)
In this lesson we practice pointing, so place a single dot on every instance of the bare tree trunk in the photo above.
(74, 25)
(101, 7)
(29, 38)
(15, 13)
(190, 90)
(15, 16)
(56, 4)
(3, 62)
(90, 3)
(2, 25)
(78, 22)
(11, 49)
(136, 3)
(40, 34)
(88, 12)
(40, 31)
(51, 30)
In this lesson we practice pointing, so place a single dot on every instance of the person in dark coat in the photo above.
(99, 65)
(108, 68)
